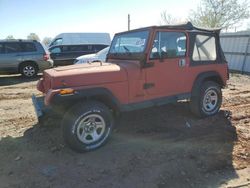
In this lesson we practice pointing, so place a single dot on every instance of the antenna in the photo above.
(128, 22)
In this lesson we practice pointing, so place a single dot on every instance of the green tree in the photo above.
(219, 13)
(46, 41)
(9, 37)
(33, 36)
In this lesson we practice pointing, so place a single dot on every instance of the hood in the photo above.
(85, 75)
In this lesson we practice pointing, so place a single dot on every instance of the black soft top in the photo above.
(188, 26)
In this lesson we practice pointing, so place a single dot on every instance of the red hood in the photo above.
(83, 75)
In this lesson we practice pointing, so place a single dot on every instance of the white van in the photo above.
(81, 38)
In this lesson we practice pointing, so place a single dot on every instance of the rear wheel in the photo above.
(87, 126)
(28, 70)
(206, 101)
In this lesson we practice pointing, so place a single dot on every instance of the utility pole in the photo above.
(128, 22)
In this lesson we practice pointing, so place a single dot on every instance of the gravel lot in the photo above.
(153, 148)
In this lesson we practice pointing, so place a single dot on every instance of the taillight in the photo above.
(46, 57)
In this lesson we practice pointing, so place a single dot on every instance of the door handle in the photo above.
(182, 63)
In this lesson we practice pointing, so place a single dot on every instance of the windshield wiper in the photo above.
(127, 50)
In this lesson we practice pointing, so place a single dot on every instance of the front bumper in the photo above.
(40, 108)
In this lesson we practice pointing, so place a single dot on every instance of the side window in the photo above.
(168, 45)
(99, 47)
(56, 50)
(1, 49)
(77, 48)
(56, 42)
(28, 47)
(90, 47)
(204, 48)
(12, 47)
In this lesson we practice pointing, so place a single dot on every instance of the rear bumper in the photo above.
(45, 65)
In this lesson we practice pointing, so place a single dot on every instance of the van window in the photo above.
(99, 47)
(12, 47)
(204, 48)
(56, 42)
(55, 50)
(76, 48)
(1, 49)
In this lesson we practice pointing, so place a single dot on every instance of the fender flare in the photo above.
(206, 76)
(100, 94)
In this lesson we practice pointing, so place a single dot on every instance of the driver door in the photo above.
(167, 75)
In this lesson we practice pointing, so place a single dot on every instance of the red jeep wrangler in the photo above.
(145, 67)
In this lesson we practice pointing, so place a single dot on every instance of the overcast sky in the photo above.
(47, 18)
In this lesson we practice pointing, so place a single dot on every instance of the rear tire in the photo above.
(206, 101)
(87, 126)
(28, 70)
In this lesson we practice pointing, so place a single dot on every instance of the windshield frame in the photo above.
(129, 55)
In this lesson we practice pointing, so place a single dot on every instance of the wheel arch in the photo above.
(206, 76)
(102, 95)
(27, 62)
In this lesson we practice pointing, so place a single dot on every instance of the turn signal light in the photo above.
(66, 91)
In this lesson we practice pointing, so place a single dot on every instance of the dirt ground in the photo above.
(153, 148)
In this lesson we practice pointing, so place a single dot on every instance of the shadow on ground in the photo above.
(6, 80)
(153, 148)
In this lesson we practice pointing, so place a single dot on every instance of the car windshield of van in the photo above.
(129, 45)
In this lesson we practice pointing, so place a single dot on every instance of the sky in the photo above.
(48, 18)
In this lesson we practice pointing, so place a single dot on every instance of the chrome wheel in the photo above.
(210, 100)
(29, 71)
(91, 128)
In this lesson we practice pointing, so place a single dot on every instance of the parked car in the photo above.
(146, 67)
(66, 54)
(98, 57)
(66, 47)
(27, 57)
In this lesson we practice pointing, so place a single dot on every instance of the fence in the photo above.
(236, 47)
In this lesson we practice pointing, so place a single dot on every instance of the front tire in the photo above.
(87, 126)
(206, 101)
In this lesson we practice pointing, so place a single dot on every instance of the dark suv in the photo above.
(27, 57)
(66, 54)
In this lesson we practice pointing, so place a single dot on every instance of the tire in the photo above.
(206, 100)
(87, 126)
(28, 70)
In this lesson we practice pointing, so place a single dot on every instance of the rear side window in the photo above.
(204, 48)
(12, 47)
(28, 47)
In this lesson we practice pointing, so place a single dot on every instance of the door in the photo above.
(166, 76)
(10, 56)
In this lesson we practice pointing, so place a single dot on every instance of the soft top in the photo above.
(185, 26)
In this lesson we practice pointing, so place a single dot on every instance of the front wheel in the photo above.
(87, 126)
(207, 99)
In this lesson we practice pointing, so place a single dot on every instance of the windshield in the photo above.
(130, 43)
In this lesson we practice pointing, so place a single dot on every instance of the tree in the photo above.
(168, 19)
(219, 13)
(33, 36)
(10, 37)
(46, 41)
